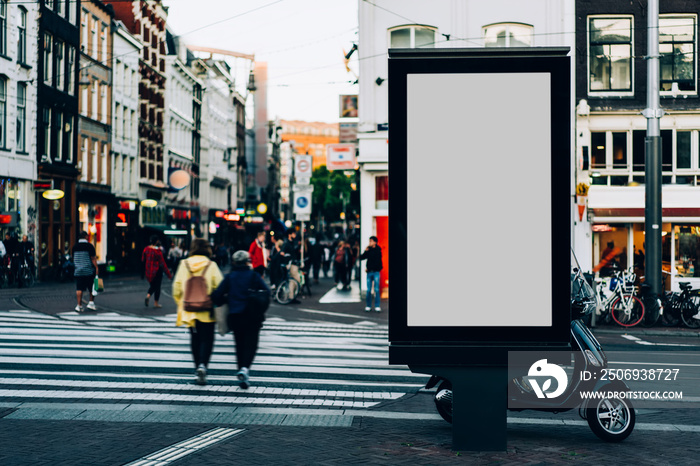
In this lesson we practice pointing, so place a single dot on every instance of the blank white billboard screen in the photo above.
(479, 200)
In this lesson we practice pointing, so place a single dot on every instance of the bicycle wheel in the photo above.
(27, 277)
(627, 312)
(287, 291)
(670, 317)
(689, 308)
(652, 311)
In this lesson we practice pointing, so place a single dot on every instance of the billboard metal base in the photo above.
(479, 405)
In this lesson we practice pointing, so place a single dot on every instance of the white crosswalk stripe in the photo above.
(107, 357)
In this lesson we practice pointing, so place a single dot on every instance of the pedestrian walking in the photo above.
(316, 257)
(201, 322)
(235, 290)
(153, 267)
(85, 260)
(257, 253)
(275, 264)
(373, 255)
(27, 248)
(341, 261)
(221, 256)
(291, 258)
(174, 255)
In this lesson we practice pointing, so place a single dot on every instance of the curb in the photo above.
(690, 333)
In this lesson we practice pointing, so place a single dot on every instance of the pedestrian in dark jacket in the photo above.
(341, 262)
(316, 257)
(275, 263)
(373, 255)
(234, 290)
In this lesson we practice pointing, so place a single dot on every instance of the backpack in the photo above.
(340, 255)
(196, 297)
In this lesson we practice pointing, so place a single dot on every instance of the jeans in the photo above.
(373, 277)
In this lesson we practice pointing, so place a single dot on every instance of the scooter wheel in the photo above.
(611, 419)
(443, 400)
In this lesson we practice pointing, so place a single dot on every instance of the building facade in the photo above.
(218, 169)
(310, 138)
(94, 189)
(125, 140)
(182, 142)
(146, 20)
(57, 119)
(611, 87)
(18, 89)
(458, 23)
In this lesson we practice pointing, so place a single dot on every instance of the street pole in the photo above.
(653, 113)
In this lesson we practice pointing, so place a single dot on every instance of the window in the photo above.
(412, 37)
(95, 86)
(103, 100)
(508, 35)
(22, 35)
(84, 30)
(683, 149)
(60, 72)
(94, 50)
(70, 71)
(21, 117)
(46, 123)
(58, 129)
(610, 54)
(49, 4)
(59, 7)
(84, 159)
(103, 40)
(68, 130)
(597, 150)
(48, 58)
(619, 153)
(95, 159)
(103, 164)
(84, 100)
(677, 53)
(3, 27)
(71, 7)
(3, 111)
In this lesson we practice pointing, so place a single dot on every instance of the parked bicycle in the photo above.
(622, 306)
(289, 288)
(681, 306)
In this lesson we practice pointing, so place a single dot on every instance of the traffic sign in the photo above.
(303, 166)
(302, 203)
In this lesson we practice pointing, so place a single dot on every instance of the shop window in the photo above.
(598, 150)
(683, 149)
(610, 54)
(677, 53)
(508, 35)
(687, 248)
(666, 150)
(381, 184)
(638, 150)
(619, 155)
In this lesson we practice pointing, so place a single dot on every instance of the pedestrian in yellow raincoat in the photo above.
(201, 324)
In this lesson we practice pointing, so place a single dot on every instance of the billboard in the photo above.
(348, 106)
(499, 119)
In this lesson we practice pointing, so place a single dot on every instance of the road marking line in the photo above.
(639, 341)
(186, 447)
(631, 337)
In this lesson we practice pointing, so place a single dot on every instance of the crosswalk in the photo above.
(73, 359)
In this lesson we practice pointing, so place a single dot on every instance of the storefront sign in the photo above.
(9, 219)
(340, 156)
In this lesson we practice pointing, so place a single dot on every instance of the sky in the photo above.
(302, 42)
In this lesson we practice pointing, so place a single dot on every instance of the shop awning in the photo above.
(636, 214)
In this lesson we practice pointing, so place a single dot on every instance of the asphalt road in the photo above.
(115, 386)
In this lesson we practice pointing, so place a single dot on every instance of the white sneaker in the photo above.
(697, 316)
(243, 378)
(91, 306)
(367, 309)
(78, 308)
(377, 309)
(339, 286)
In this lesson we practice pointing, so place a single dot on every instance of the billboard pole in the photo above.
(653, 113)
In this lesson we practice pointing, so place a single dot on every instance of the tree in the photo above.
(332, 190)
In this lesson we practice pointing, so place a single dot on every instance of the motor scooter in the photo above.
(611, 419)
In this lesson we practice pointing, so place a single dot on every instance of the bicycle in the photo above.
(622, 306)
(288, 288)
(681, 307)
(25, 276)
